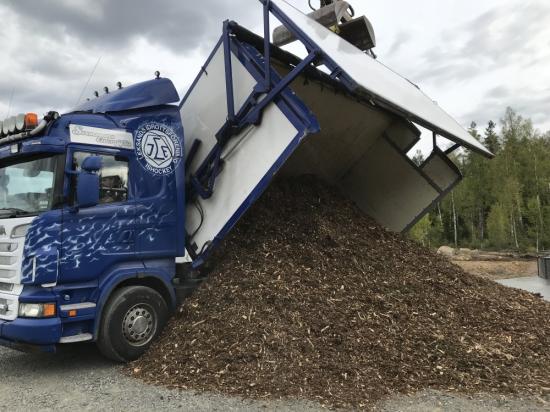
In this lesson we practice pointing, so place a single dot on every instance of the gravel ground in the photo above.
(80, 379)
(432, 401)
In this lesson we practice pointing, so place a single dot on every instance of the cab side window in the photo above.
(113, 176)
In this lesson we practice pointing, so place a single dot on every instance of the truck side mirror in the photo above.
(87, 187)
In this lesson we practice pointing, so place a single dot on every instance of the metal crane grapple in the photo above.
(339, 17)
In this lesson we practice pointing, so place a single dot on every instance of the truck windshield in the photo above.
(27, 187)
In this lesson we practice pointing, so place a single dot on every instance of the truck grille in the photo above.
(11, 255)
(8, 247)
(7, 260)
(7, 274)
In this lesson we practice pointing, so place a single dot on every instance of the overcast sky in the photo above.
(473, 57)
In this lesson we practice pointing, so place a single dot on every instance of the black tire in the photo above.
(133, 317)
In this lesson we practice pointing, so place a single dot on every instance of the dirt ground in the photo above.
(495, 270)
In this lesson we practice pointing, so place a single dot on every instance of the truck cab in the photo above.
(89, 215)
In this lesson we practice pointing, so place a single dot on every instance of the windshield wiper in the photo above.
(13, 211)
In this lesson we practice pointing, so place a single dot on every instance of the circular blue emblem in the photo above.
(158, 148)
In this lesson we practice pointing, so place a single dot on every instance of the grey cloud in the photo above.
(532, 104)
(31, 93)
(529, 62)
(56, 45)
(514, 36)
(400, 40)
(498, 92)
(448, 71)
(491, 40)
(178, 25)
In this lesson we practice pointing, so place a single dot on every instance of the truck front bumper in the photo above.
(28, 334)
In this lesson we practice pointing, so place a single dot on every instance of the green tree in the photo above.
(491, 138)
(497, 224)
(421, 231)
(535, 223)
(418, 158)
(501, 203)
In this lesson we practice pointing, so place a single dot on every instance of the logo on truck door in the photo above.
(158, 148)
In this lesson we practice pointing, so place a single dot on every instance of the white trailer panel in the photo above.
(377, 79)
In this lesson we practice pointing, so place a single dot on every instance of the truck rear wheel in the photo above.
(133, 318)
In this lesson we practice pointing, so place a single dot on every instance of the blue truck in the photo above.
(109, 212)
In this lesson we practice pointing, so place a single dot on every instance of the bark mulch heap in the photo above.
(310, 299)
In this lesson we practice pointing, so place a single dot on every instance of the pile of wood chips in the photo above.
(309, 298)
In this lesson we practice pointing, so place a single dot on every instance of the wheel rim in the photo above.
(139, 325)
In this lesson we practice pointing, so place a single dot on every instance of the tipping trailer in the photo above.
(106, 211)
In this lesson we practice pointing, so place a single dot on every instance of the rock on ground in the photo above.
(446, 251)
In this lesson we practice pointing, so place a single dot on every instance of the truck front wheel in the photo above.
(133, 317)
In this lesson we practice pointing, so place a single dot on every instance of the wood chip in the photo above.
(402, 319)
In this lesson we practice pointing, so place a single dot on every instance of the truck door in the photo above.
(96, 238)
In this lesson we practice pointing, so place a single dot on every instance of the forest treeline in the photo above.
(503, 203)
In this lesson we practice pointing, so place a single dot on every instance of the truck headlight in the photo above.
(20, 231)
(37, 310)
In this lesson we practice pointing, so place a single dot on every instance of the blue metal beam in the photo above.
(255, 114)
(228, 72)
(267, 46)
